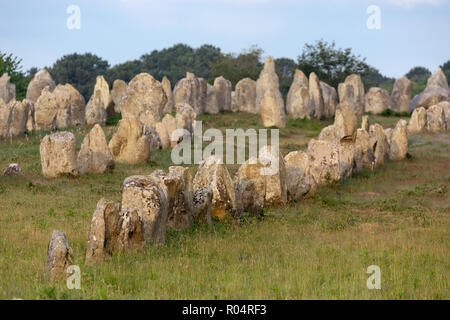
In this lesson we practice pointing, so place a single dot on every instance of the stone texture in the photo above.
(58, 154)
(268, 79)
(245, 96)
(399, 142)
(352, 91)
(446, 107)
(378, 143)
(212, 106)
(94, 155)
(12, 170)
(145, 100)
(323, 158)
(163, 135)
(167, 86)
(365, 123)
(418, 121)
(95, 110)
(185, 117)
(129, 144)
(202, 203)
(438, 79)
(436, 119)
(401, 95)
(7, 89)
(40, 80)
(119, 94)
(170, 123)
(431, 96)
(315, 92)
(272, 109)
(299, 103)
(189, 90)
(364, 157)
(345, 122)
(59, 256)
(213, 173)
(298, 175)
(223, 93)
(108, 103)
(19, 111)
(154, 138)
(5, 119)
(377, 100)
(150, 197)
(330, 100)
(329, 134)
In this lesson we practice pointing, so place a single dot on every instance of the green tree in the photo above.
(80, 70)
(419, 77)
(11, 65)
(331, 65)
(285, 69)
(124, 71)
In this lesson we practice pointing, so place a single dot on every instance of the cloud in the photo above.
(412, 3)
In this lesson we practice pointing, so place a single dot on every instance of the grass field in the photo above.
(397, 217)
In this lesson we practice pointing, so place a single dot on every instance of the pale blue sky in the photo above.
(413, 32)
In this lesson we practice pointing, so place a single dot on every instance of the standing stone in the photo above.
(346, 158)
(202, 203)
(329, 134)
(151, 199)
(95, 110)
(130, 144)
(5, 119)
(377, 100)
(401, 95)
(155, 139)
(59, 256)
(330, 99)
(298, 99)
(7, 89)
(185, 117)
(268, 79)
(298, 175)
(299, 81)
(315, 92)
(245, 96)
(46, 110)
(168, 90)
(378, 143)
(40, 80)
(163, 135)
(223, 93)
(399, 141)
(179, 185)
(212, 107)
(18, 117)
(31, 123)
(145, 100)
(170, 123)
(95, 156)
(119, 94)
(431, 96)
(323, 158)
(71, 106)
(446, 107)
(203, 85)
(189, 91)
(436, 119)
(345, 122)
(352, 91)
(364, 157)
(438, 79)
(58, 154)
(365, 123)
(213, 173)
(418, 121)
(108, 103)
(272, 109)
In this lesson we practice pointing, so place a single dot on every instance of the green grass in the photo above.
(396, 217)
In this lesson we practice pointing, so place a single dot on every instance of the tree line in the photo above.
(331, 64)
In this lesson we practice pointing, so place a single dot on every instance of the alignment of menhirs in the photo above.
(176, 199)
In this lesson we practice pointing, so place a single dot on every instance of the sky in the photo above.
(410, 33)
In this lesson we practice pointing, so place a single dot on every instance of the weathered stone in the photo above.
(330, 100)
(168, 90)
(436, 119)
(18, 118)
(150, 197)
(299, 103)
(59, 256)
(12, 170)
(170, 123)
(268, 79)
(7, 89)
(401, 95)
(329, 134)
(119, 94)
(364, 157)
(95, 110)
(418, 121)
(31, 123)
(378, 143)
(346, 158)
(129, 143)
(365, 123)
(202, 203)
(245, 96)
(399, 141)
(5, 119)
(315, 92)
(298, 175)
(345, 122)
(145, 100)
(179, 185)
(58, 154)
(154, 138)
(272, 109)
(189, 91)
(354, 94)
(211, 101)
(108, 103)
(323, 158)
(95, 156)
(40, 80)
(213, 173)
(163, 135)
(46, 110)
(185, 117)
(446, 107)
(377, 100)
(438, 79)
(223, 93)
(431, 96)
